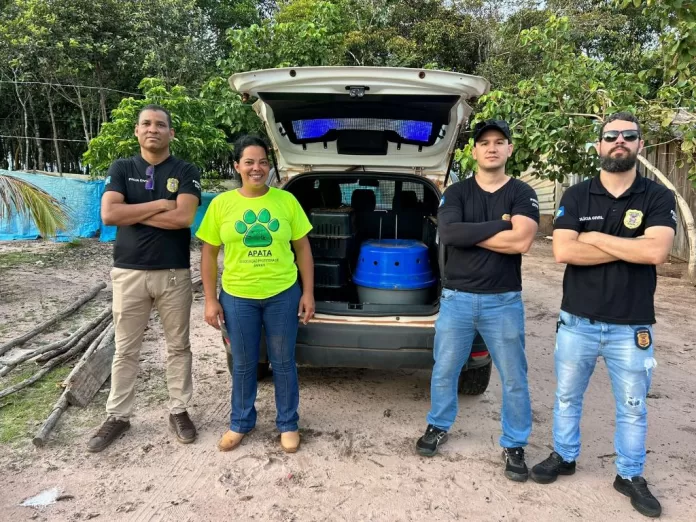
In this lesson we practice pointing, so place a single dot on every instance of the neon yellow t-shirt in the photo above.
(256, 235)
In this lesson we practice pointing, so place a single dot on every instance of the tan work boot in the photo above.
(230, 440)
(290, 441)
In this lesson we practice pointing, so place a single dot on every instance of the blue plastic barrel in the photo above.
(394, 264)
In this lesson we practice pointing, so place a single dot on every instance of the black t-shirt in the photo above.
(476, 269)
(617, 292)
(142, 247)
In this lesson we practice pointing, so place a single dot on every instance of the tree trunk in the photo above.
(37, 134)
(102, 94)
(25, 116)
(55, 133)
(686, 214)
(82, 114)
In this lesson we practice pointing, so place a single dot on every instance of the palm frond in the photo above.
(19, 197)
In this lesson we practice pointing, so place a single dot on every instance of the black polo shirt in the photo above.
(142, 247)
(616, 292)
(475, 269)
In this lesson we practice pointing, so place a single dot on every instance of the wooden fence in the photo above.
(665, 157)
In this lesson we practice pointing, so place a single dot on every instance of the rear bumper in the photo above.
(373, 346)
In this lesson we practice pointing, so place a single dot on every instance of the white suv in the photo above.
(365, 150)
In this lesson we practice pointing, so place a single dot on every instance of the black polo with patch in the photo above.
(142, 247)
(476, 269)
(616, 292)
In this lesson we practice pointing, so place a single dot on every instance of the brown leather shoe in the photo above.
(180, 424)
(230, 440)
(290, 441)
(107, 433)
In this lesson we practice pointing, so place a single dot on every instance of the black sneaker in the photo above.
(641, 498)
(107, 433)
(432, 438)
(180, 424)
(547, 471)
(515, 467)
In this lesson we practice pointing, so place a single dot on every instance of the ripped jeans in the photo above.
(579, 343)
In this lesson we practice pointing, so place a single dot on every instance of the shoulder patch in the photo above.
(560, 212)
(442, 200)
(108, 180)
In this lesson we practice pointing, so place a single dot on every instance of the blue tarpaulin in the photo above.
(80, 196)
(83, 198)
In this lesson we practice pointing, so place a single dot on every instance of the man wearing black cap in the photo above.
(611, 230)
(485, 223)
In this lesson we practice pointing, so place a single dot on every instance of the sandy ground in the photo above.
(359, 427)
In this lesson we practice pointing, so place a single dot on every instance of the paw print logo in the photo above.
(256, 228)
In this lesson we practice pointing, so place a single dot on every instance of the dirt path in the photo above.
(359, 427)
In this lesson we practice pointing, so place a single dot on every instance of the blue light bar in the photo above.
(409, 130)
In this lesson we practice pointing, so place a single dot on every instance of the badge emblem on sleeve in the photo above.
(633, 219)
(172, 184)
(643, 338)
(506, 217)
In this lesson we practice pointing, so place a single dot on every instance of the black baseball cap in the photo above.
(499, 125)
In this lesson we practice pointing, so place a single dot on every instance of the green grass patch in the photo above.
(22, 411)
(73, 243)
(12, 259)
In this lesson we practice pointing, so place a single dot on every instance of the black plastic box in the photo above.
(331, 273)
(333, 222)
(332, 247)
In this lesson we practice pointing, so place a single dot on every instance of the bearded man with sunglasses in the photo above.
(152, 198)
(611, 231)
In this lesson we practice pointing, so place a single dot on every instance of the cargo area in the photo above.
(373, 242)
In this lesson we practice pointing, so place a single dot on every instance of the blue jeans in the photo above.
(499, 318)
(243, 320)
(578, 345)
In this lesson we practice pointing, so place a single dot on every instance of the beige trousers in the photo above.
(134, 293)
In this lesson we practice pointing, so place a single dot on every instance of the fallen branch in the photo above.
(96, 344)
(66, 343)
(99, 347)
(59, 407)
(50, 365)
(58, 317)
(90, 334)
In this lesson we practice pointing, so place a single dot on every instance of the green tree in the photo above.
(555, 114)
(198, 138)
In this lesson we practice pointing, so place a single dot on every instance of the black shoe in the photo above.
(515, 467)
(547, 471)
(181, 425)
(641, 498)
(107, 433)
(432, 438)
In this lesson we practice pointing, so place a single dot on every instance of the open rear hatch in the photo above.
(371, 145)
(378, 119)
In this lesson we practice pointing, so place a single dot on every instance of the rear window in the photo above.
(407, 130)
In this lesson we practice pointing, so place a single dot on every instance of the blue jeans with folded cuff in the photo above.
(243, 320)
(499, 318)
(579, 343)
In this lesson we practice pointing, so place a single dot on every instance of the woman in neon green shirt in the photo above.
(257, 225)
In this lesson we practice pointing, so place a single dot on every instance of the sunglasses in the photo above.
(612, 135)
(150, 173)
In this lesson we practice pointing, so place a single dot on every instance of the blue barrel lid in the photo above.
(394, 264)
